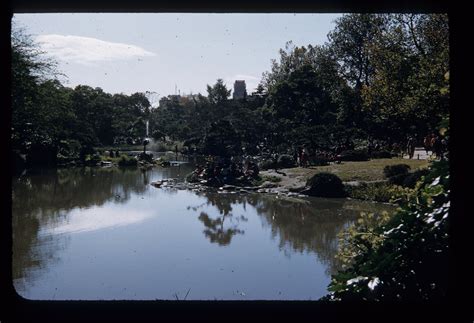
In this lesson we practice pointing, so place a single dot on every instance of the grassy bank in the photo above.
(372, 182)
(371, 170)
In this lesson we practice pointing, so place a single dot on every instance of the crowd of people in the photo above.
(435, 144)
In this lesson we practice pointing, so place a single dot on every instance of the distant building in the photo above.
(179, 99)
(240, 91)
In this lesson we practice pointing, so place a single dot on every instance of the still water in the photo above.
(105, 233)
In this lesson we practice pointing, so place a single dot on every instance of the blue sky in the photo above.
(154, 52)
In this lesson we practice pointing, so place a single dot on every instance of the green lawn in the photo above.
(371, 170)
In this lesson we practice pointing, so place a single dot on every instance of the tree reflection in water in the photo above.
(301, 225)
(215, 230)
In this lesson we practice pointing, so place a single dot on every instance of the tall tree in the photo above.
(410, 90)
(218, 93)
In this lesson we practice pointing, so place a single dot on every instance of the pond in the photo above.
(106, 234)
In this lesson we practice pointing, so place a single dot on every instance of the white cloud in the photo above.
(86, 50)
(251, 82)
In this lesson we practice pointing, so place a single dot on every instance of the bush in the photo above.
(382, 154)
(319, 160)
(127, 161)
(412, 178)
(394, 170)
(379, 192)
(354, 155)
(285, 161)
(92, 160)
(146, 157)
(266, 164)
(325, 185)
(405, 258)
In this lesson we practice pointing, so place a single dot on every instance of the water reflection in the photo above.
(215, 229)
(41, 205)
(301, 225)
(50, 207)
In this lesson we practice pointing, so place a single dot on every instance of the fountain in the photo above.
(144, 156)
(146, 141)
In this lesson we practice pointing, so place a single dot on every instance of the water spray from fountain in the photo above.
(146, 141)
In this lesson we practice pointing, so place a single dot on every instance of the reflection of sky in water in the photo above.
(139, 208)
(97, 218)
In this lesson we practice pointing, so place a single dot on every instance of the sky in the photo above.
(165, 52)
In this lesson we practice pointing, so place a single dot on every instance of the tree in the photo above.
(410, 89)
(350, 42)
(298, 105)
(218, 93)
(221, 139)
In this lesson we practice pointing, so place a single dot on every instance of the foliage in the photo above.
(360, 237)
(285, 161)
(221, 139)
(92, 160)
(394, 170)
(218, 93)
(413, 177)
(409, 93)
(406, 258)
(354, 155)
(127, 161)
(378, 192)
(325, 185)
(382, 154)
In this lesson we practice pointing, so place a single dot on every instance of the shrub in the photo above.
(382, 154)
(406, 258)
(325, 185)
(394, 170)
(319, 160)
(92, 160)
(359, 237)
(354, 155)
(266, 164)
(285, 161)
(127, 161)
(397, 179)
(146, 157)
(412, 178)
(379, 192)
